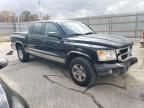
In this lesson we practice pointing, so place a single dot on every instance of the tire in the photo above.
(82, 72)
(22, 55)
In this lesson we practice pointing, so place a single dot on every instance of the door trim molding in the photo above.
(46, 55)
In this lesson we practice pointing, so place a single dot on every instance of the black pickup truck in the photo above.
(85, 53)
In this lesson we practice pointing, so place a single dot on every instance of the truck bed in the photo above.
(18, 37)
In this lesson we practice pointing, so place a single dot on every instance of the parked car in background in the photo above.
(85, 53)
(8, 97)
(3, 63)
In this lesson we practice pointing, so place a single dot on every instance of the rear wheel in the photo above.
(82, 71)
(22, 55)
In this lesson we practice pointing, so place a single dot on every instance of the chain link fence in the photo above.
(128, 25)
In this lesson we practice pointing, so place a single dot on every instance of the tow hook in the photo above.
(134, 60)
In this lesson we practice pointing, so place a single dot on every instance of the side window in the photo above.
(49, 27)
(37, 27)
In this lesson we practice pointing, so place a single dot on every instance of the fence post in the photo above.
(19, 23)
(88, 20)
(136, 24)
(14, 26)
(110, 24)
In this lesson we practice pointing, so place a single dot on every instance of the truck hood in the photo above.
(105, 40)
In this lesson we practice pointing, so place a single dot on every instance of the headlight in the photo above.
(106, 55)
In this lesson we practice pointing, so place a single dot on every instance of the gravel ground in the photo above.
(46, 84)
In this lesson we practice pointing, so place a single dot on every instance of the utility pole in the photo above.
(40, 14)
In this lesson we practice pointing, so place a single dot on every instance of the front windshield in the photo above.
(76, 28)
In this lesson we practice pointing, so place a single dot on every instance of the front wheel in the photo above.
(22, 55)
(82, 71)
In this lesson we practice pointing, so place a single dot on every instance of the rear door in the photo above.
(34, 38)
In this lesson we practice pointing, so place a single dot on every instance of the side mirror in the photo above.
(53, 34)
(3, 63)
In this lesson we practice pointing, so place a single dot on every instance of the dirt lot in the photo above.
(45, 84)
(4, 39)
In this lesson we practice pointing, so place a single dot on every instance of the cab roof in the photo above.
(56, 21)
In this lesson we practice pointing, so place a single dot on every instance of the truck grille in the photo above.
(124, 53)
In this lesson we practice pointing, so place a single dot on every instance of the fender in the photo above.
(78, 52)
(25, 48)
(67, 61)
(18, 42)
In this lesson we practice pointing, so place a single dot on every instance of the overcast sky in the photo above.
(73, 8)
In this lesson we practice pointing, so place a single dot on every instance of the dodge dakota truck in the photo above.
(85, 53)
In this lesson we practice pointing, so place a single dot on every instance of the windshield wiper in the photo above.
(76, 34)
(89, 33)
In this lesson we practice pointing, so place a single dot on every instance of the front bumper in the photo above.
(116, 68)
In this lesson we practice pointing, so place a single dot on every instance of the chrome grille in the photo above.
(124, 53)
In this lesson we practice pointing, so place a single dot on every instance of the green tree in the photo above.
(34, 17)
(27, 16)
(46, 17)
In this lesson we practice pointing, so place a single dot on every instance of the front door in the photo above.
(53, 46)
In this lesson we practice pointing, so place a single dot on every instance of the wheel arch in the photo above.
(18, 43)
(73, 54)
